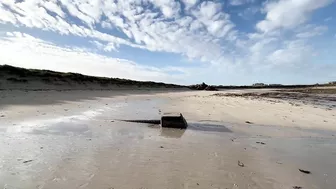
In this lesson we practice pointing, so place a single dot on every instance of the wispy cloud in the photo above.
(311, 31)
(145, 28)
(240, 2)
(249, 12)
(288, 14)
(37, 53)
(328, 19)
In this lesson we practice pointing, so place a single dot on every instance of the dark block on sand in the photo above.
(173, 120)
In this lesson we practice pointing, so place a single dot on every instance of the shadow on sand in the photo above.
(204, 127)
(207, 127)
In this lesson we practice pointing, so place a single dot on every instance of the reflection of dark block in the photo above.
(172, 132)
(173, 120)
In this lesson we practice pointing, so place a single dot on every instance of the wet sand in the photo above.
(71, 139)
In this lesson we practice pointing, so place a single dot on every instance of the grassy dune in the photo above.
(16, 75)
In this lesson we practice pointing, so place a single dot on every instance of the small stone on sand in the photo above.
(304, 171)
(27, 161)
(241, 164)
(297, 187)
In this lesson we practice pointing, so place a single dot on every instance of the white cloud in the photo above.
(6, 16)
(240, 2)
(190, 3)
(311, 31)
(288, 14)
(293, 53)
(32, 14)
(273, 51)
(328, 19)
(51, 6)
(211, 15)
(209, 9)
(169, 8)
(106, 24)
(78, 9)
(249, 12)
(37, 53)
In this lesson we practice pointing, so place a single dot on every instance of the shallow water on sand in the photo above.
(91, 149)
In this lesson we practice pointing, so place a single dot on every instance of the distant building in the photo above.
(259, 84)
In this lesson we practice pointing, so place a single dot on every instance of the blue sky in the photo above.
(227, 42)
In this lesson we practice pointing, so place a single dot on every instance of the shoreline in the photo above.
(232, 109)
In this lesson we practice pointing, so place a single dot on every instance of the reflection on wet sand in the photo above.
(63, 128)
(172, 132)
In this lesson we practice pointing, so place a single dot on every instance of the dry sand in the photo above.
(262, 111)
(71, 139)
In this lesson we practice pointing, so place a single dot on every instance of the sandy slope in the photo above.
(74, 141)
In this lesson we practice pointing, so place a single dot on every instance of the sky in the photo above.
(228, 42)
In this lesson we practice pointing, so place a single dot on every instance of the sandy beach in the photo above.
(73, 139)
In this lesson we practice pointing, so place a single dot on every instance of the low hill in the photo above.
(33, 79)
